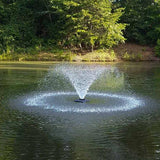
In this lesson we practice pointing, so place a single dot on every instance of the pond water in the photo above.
(35, 133)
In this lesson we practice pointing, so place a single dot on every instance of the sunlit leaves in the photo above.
(88, 24)
(92, 23)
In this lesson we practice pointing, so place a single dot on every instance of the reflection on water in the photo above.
(41, 135)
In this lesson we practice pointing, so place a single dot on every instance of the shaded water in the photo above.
(31, 133)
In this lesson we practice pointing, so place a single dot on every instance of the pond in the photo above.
(33, 132)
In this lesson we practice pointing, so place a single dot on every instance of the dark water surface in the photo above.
(126, 135)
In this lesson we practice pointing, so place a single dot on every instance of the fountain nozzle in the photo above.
(81, 100)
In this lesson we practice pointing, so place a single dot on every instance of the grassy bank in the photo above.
(123, 52)
(63, 55)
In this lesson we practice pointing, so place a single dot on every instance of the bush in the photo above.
(126, 56)
(100, 55)
(132, 57)
(157, 48)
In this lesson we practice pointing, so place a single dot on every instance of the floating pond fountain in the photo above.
(81, 77)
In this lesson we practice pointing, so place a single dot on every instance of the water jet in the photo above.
(81, 77)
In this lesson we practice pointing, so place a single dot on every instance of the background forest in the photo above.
(32, 26)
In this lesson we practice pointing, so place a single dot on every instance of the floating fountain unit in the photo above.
(81, 100)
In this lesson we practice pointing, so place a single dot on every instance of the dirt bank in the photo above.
(145, 53)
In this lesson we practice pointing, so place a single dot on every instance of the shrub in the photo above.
(132, 57)
(157, 48)
(126, 56)
(100, 55)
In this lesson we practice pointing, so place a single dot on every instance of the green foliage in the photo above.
(139, 57)
(36, 26)
(143, 19)
(126, 56)
(91, 24)
(101, 55)
(54, 55)
(132, 57)
(84, 24)
(157, 48)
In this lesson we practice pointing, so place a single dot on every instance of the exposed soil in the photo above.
(146, 52)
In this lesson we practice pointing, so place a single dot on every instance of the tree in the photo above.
(89, 23)
(143, 19)
(86, 24)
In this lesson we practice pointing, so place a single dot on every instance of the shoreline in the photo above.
(122, 53)
(87, 62)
